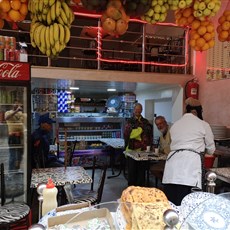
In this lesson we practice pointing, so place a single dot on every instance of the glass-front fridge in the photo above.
(15, 116)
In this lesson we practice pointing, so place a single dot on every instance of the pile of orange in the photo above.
(14, 10)
(223, 28)
(184, 17)
(202, 35)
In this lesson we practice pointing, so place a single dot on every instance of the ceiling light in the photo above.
(74, 88)
(111, 90)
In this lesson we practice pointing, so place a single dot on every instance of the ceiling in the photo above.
(97, 89)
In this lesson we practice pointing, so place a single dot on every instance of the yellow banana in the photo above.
(42, 36)
(46, 9)
(58, 8)
(51, 2)
(47, 35)
(64, 17)
(54, 52)
(67, 34)
(42, 49)
(39, 16)
(46, 2)
(48, 52)
(36, 5)
(51, 35)
(32, 31)
(37, 34)
(53, 13)
(56, 31)
(61, 33)
(57, 46)
(59, 19)
(44, 17)
(40, 5)
(72, 16)
(66, 9)
(48, 18)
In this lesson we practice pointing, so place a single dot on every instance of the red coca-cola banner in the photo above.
(14, 71)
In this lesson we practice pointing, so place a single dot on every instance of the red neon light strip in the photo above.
(99, 29)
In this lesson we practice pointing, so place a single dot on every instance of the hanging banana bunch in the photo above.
(50, 26)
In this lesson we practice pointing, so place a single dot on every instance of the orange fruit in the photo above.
(205, 23)
(219, 29)
(1, 23)
(5, 5)
(223, 34)
(178, 15)
(23, 9)
(183, 21)
(195, 36)
(201, 30)
(221, 19)
(225, 25)
(210, 28)
(192, 42)
(200, 42)
(195, 24)
(15, 4)
(205, 47)
(221, 39)
(211, 43)
(197, 48)
(207, 36)
(14, 15)
(190, 19)
(226, 12)
(187, 12)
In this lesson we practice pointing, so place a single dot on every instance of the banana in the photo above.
(57, 46)
(36, 5)
(54, 52)
(46, 9)
(51, 2)
(64, 17)
(53, 13)
(46, 2)
(66, 9)
(57, 8)
(61, 33)
(56, 32)
(44, 17)
(47, 34)
(67, 34)
(72, 16)
(39, 16)
(33, 27)
(42, 49)
(42, 37)
(52, 35)
(59, 19)
(37, 34)
(40, 5)
(48, 18)
(48, 52)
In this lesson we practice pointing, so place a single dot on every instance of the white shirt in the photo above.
(184, 167)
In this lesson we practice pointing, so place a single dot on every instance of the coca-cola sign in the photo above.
(14, 71)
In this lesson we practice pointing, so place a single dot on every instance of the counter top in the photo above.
(116, 143)
(222, 173)
(145, 156)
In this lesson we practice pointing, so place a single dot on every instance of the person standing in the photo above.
(40, 145)
(138, 135)
(191, 139)
(15, 121)
(165, 138)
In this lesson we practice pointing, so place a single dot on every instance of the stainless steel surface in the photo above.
(36, 227)
(171, 218)
(211, 177)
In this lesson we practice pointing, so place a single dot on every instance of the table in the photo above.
(145, 156)
(222, 173)
(60, 176)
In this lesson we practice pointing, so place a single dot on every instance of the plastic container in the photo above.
(209, 161)
(49, 197)
(23, 55)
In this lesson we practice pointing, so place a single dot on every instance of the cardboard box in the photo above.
(82, 218)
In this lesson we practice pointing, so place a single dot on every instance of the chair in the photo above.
(157, 170)
(13, 215)
(78, 195)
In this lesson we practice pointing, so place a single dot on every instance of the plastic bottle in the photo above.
(49, 197)
(23, 55)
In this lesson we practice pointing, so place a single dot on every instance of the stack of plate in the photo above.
(219, 131)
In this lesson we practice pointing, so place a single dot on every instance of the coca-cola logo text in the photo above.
(14, 71)
(10, 70)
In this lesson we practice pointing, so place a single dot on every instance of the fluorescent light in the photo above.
(74, 88)
(111, 90)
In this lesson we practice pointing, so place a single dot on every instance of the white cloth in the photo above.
(184, 167)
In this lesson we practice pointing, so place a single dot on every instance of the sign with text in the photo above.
(14, 71)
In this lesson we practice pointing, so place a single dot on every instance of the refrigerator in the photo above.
(15, 128)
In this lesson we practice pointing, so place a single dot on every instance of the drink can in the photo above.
(6, 54)
(1, 54)
(7, 42)
(16, 55)
(11, 55)
(2, 42)
(12, 43)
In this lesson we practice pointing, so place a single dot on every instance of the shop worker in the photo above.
(41, 155)
(165, 138)
(15, 122)
(191, 138)
(138, 135)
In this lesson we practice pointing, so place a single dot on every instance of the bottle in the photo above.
(23, 56)
(49, 197)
